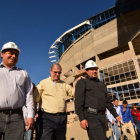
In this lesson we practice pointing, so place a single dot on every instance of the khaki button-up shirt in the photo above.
(52, 95)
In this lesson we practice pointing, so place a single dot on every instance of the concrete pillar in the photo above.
(134, 57)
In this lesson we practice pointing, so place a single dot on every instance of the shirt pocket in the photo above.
(20, 79)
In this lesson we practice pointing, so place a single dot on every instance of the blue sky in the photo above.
(35, 24)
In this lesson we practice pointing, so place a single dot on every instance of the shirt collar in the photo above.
(116, 106)
(94, 79)
(59, 81)
(14, 67)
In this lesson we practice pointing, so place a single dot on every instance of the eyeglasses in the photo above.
(92, 69)
(59, 72)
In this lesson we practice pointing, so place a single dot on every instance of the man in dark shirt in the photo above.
(91, 101)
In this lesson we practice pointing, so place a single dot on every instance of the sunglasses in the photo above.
(59, 72)
(92, 69)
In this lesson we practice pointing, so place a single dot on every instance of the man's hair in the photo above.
(55, 65)
(115, 99)
(125, 102)
(5, 50)
(134, 104)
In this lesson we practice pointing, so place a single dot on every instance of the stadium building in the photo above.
(112, 39)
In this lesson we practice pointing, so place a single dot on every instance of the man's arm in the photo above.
(29, 103)
(80, 101)
(120, 114)
(80, 98)
(109, 116)
(110, 107)
(38, 92)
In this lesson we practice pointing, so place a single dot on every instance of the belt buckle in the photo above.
(92, 110)
(57, 114)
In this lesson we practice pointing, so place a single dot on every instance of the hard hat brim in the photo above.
(90, 67)
(10, 49)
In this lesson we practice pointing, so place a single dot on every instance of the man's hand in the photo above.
(29, 123)
(84, 124)
(118, 118)
(112, 122)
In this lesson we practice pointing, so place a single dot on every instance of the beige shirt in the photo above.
(52, 95)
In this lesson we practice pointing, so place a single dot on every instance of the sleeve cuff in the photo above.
(31, 115)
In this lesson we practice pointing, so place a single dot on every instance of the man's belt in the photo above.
(95, 111)
(56, 114)
(11, 111)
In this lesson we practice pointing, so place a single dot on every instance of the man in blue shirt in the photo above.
(127, 127)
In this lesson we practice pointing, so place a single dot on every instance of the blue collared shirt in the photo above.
(15, 89)
(126, 115)
(110, 117)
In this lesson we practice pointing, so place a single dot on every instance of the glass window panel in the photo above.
(130, 86)
(128, 76)
(105, 70)
(126, 69)
(138, 93)
(133, 74)
(114, 89)
(130, 63)
(112, 82)
(131, 67)
(112, 78)
(117, 77)
(105, 76)
(110, 69)
(107, 80)
(122, 76)
(136, 85)
(125, 87)
(110, 73)
(117, 81)
(114, 67)
(120, 66)
(125, 64)
(115, 72)
(107, 83)
(121, 70)
(119, 88)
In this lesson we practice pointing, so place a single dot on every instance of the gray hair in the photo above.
(55, 65)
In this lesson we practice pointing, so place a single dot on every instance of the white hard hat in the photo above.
(10, 45)
(90, 64)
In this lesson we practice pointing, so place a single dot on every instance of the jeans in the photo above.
(115, 132)
(138, 127)
(12, 126)
(28, 135)
(52, 127)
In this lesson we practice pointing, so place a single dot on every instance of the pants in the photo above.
(116, 134)
(128, 131)
(138, 127)
(28, 135)
(96, 126)
(12, 126)
(52, 127)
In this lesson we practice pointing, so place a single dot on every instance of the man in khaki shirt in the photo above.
(52, 93)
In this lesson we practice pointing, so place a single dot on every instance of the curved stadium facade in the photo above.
(112, 39)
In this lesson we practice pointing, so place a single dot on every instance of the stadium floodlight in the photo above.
(53, 47)
(52, 56)
(53, 61)
(52, 52)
